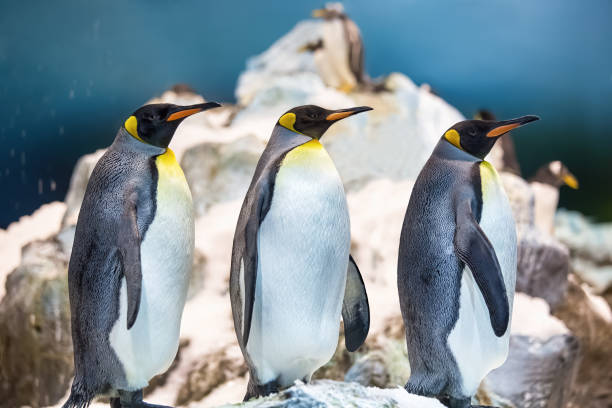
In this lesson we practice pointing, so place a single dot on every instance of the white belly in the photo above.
(149, 347)
(476, 348)
(335, 66)
(303, 250)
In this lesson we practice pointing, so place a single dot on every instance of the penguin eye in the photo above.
(472, 132)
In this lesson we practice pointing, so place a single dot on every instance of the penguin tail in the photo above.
(80, 396)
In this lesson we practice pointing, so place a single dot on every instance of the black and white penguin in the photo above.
(131, 260)
(457, 265)
(339, 55)
(292, 276)
(545, 185)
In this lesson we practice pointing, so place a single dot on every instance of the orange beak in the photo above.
(185, 111)
(505, 126)
(345, 113)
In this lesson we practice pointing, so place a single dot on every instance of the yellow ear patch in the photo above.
(453, 136)
(130, 125)
(287, 121)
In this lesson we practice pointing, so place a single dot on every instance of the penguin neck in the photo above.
(286, 139)
(126, 142)
(444, 149)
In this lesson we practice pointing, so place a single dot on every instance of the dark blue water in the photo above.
(71, 71)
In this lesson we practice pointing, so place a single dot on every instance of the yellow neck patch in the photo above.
(488, 177)
(170, 177)
(453, 136)
(307, 152)
(167, 162)
(287, 121)
(131, 125)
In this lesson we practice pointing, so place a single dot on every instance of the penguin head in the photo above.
(156, 123)
(313, 121)
(331, 11)
(477, 137)
(556, 174)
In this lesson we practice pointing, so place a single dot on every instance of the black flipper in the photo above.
(254, 209)
(473, 247)
(259, 209)
(129, 250)
(355, 308)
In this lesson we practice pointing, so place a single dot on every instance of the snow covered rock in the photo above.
(584, 237)
(43, 223)
(326, 393)
(590, 245)
(218, 172)
(35, 342)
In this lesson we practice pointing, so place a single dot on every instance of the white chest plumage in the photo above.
(303, 250)
(149, 347)
(476, 348)
(545, 206)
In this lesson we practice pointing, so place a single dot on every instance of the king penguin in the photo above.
(457, 265)
(132, 254)
(292, 276)
(545, 185)
(339, 53)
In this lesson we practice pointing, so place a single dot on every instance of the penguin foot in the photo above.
(255, 390)
(129, 399)
(451, 402)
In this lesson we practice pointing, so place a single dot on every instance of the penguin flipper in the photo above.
(129, 254)
(261, 205)
(355, 308)
(474, 248)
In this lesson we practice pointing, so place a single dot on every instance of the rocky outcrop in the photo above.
(214, 369)
(543, 266)
(43, 223)
(542, 362)
(538, 373)
(35, 345)
(220, 172)
(590, 319)
(590, 245)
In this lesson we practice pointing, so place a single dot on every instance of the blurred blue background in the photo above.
(72, 71)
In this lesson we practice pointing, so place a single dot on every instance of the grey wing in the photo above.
(355, 308)
(474, 248)
(129, 255)
(260, 204)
